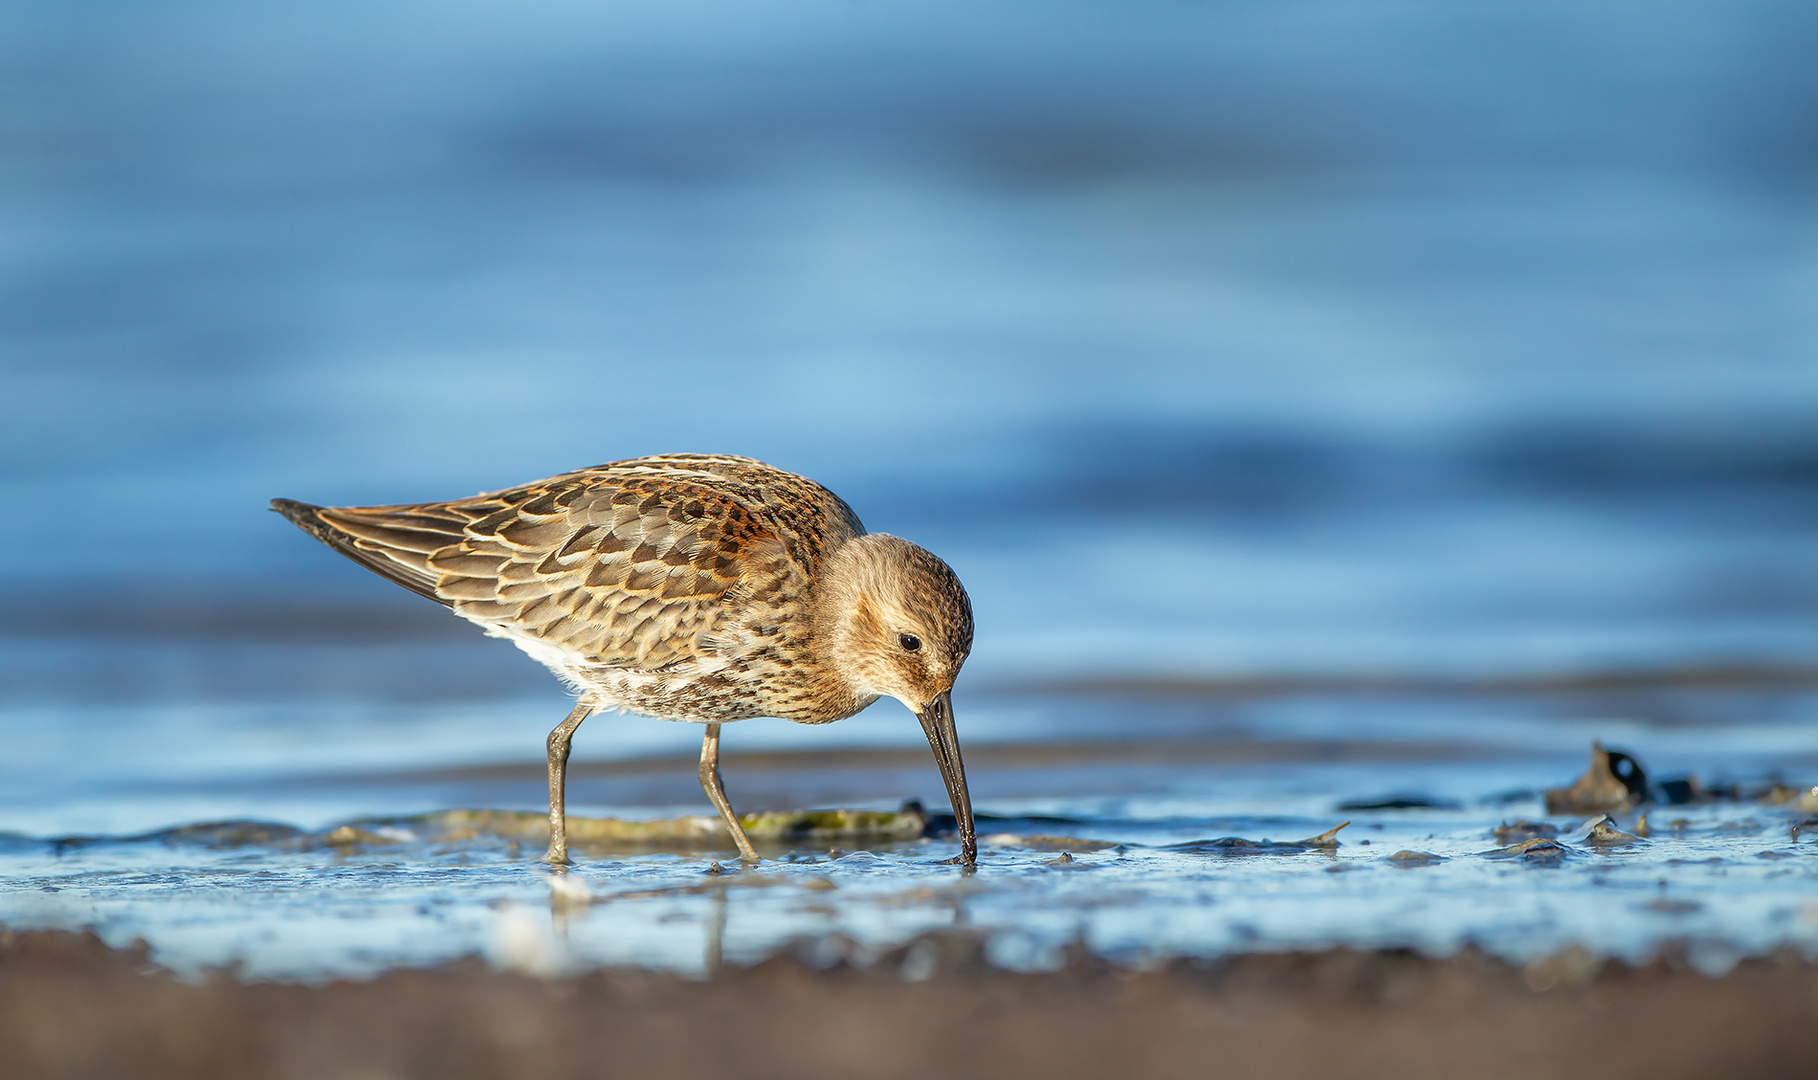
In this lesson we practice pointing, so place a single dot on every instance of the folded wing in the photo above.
(613, 570)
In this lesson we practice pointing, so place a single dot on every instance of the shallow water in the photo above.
(1728, 881)
(1078, 846)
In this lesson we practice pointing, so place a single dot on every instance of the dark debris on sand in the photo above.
(1615, 781)
(72, 1008)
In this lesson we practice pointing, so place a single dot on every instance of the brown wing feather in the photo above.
(393, 548)
(634, 564)
(622, 581)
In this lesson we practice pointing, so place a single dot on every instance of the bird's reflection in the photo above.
(714, 956)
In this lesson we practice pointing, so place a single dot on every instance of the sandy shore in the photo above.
(71, 1007)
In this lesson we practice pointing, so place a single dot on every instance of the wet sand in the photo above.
(72, 1007)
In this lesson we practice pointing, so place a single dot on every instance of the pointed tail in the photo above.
(394, 551)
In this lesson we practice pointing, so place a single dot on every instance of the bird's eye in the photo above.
(909, 641)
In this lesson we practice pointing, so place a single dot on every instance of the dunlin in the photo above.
(691, 587)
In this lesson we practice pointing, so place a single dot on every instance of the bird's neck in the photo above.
(838, 621)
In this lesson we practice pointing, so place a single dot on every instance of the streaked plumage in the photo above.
(689, 587)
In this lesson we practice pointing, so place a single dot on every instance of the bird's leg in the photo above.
(710, 780)
(558, 783)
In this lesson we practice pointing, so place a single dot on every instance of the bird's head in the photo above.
(902, 621)
(899, 624)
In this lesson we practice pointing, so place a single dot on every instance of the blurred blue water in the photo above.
(1198, 336)
(1214, 339)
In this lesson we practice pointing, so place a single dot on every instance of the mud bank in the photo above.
(72, 1007)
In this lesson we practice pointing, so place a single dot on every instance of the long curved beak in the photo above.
(937, 723)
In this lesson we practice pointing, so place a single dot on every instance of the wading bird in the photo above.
(693, 587)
